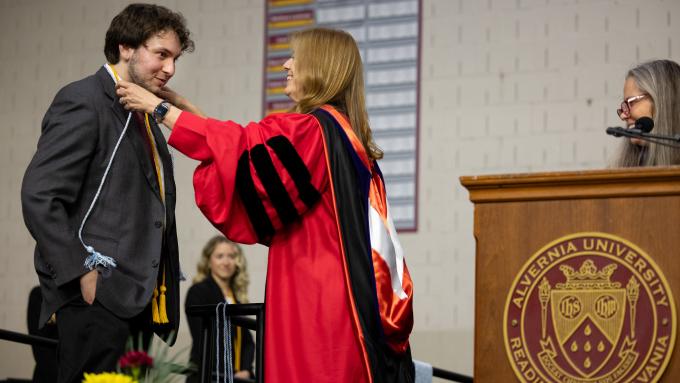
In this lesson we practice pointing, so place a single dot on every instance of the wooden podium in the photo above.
(516, 216)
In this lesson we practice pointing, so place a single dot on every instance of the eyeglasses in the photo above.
(627, 104)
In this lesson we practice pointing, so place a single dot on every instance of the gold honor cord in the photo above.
(158, 305)
(154, 150)
(156, 158)
(115, 74)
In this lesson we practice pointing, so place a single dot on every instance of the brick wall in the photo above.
(507, 86)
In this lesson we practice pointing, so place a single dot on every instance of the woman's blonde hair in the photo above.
(328, 69)
(239, 281)
(660, 79)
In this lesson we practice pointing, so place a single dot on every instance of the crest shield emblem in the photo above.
(589, 308)
(588, 315)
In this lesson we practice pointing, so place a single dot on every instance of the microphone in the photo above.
(643, 125)
(616, 131)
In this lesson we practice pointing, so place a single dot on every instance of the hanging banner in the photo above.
(388, 34)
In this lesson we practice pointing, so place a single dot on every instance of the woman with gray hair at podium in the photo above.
(652, 90)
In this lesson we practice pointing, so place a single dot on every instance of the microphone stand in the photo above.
(653, 138)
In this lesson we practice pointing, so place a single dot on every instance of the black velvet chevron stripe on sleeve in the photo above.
(273, 185)
(254, 207)
(297, 169)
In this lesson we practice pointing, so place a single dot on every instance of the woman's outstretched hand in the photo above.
(172, 97)
(179, 101)
(135, 98)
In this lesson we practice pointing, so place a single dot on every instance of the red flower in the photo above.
(133, 359)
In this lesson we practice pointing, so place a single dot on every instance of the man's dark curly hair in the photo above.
(138, 22)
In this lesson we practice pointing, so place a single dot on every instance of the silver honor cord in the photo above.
(97, 259)
(228, 366)
(217, 342)
(228, 371)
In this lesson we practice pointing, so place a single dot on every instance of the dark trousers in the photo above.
(91, 338)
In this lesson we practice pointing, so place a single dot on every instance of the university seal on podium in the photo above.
(589, 308)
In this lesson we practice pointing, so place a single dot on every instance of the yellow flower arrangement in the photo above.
(108, 377)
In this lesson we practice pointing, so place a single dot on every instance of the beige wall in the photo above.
(507, 86)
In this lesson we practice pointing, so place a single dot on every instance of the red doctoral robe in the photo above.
(338, 301)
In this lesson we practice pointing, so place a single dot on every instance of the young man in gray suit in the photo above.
(106, 240)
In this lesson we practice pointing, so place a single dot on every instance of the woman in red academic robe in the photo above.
(338, 301)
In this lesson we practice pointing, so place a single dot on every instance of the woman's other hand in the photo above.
(179, 101)
(172, 97)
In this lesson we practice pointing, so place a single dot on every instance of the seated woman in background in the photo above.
(222, 275)
(651, 90)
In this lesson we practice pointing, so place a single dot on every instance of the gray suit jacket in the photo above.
(129, 222)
